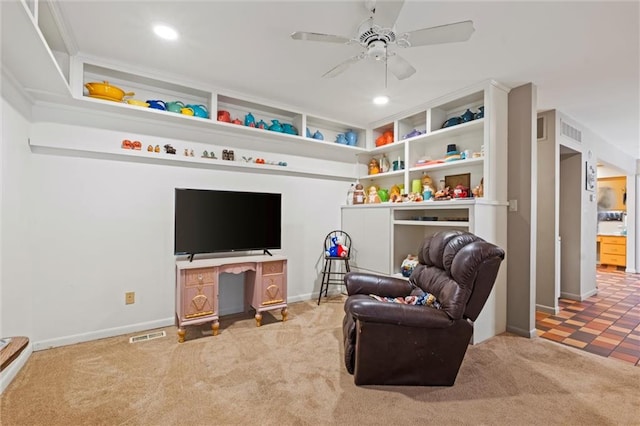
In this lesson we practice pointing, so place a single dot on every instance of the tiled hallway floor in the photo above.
(606, 324)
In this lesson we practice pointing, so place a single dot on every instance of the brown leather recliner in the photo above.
(389, 343)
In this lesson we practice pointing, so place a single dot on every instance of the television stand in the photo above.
(265, 288)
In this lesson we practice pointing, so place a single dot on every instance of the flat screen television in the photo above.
(212, 221)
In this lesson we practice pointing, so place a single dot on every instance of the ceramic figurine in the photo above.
(191, 153)
(150, 148)
(427, 183)
(374, 167)
(169, 149)
(372, 196)
(480, 113)
(342, 139)
(318, 135)
(205, 154)
(186, 152)
(237, 121)
(262, 125)
(358, 194)
(157, 148)
(137, 145)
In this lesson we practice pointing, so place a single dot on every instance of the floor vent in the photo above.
(145, 337)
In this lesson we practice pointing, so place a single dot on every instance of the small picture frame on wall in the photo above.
(590, 176)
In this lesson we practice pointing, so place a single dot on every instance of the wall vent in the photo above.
(145, 337)
(541, 128)
(570, 131)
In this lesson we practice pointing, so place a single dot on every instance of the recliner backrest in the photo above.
(459, 269)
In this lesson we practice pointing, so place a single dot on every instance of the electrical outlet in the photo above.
(130, 297)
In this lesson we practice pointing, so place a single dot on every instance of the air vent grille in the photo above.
(149, 336)
(570, 132)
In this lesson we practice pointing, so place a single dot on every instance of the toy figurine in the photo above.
(460, 191)
(394, 194)
(478, 191)
(427, 183)
(358, 194)
(373, 197)
(374, 167)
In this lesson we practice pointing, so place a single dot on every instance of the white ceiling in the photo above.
(584, 57)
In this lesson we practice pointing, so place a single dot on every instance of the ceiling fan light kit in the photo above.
(377, 33)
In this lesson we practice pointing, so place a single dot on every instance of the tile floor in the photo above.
(606, 324)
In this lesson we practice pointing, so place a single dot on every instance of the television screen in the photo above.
(208, 221)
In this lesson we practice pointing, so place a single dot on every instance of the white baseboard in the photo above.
(9, 373)
(578, 297)
(101, 334)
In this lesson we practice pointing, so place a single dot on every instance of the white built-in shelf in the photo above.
(448, 165)
(443, 223)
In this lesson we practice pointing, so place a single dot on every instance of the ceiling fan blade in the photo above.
(386, 12)
(342, 67)
(400, 67)
(330, 38)
(450, 33)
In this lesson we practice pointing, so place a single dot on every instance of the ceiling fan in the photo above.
(377, 33)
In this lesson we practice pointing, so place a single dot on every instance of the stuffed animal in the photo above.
(337, 249)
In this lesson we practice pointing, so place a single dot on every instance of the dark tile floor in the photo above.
(606, 324)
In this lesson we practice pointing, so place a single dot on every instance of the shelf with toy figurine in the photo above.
(113, 145)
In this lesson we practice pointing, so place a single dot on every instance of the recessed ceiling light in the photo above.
(165, 32)
(380, 100)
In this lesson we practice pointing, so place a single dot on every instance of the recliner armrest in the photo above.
(370, 310)
(380, 285)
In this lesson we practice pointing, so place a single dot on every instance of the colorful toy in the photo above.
(337, 249)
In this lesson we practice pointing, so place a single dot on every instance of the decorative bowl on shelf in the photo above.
(106, 91)
(451, 122)
(137, 102)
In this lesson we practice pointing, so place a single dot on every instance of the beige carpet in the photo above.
(293, 373)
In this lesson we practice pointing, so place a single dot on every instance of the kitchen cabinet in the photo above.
(613, 250)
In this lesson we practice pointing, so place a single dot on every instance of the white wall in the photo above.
(89, 230)
(16, 288)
